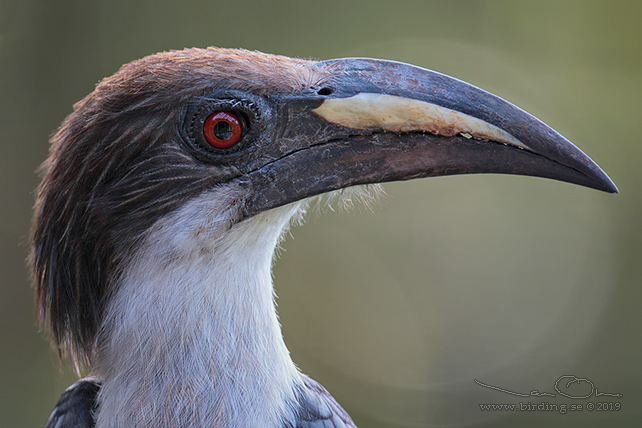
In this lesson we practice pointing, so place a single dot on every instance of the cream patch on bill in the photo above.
(399, 114)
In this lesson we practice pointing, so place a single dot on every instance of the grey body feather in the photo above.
(316, 407)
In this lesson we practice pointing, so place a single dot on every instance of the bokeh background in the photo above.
(397, 309)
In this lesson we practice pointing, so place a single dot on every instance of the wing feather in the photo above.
(75, 408)
(318, 409)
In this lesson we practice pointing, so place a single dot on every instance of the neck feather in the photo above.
(191, 337)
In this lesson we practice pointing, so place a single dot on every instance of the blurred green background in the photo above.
(512, 281)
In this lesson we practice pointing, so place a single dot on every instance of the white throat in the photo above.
(191, 337)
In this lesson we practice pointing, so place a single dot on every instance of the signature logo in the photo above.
(562, 386)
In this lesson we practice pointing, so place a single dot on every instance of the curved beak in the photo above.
(375, 121)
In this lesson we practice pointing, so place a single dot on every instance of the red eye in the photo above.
(223, 130)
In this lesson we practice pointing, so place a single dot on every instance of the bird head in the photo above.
(266, 131)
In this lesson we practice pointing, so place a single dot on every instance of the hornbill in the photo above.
(169, 186)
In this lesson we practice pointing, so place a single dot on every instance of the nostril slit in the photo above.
(324, 91)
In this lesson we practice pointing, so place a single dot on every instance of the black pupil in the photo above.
(223, 130)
